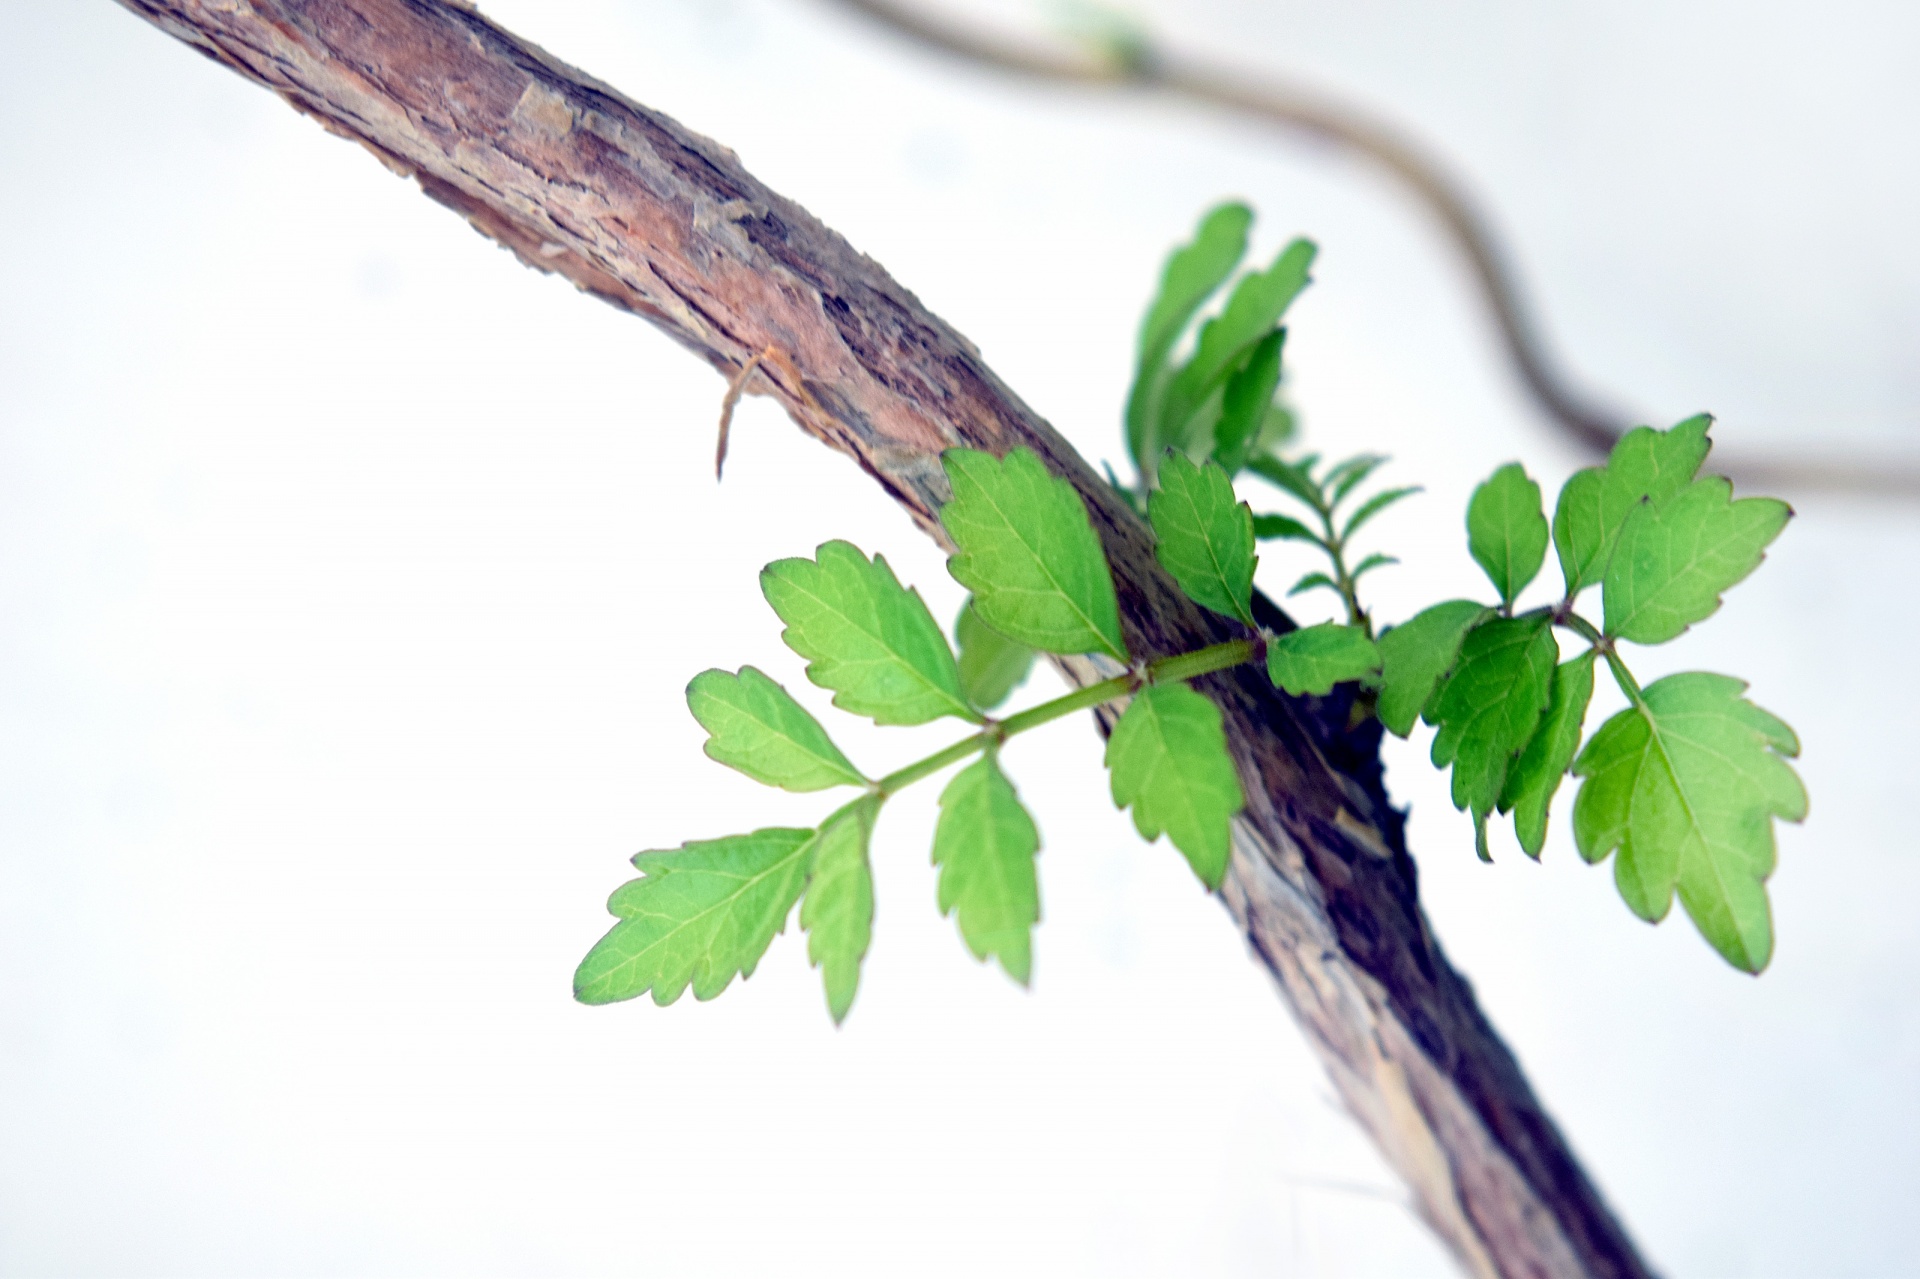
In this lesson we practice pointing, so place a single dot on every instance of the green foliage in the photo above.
(837, 912)
(984, 846)
(1645, 466)
(1029, 554)
(1204, 537)
(1506, 531)
(1673, 559)
(1169, 763)
(1227, 341)
(1315, 658)
(1683, 785)
(867, 638)
(1245, 402)
(1535, 776)
(1416, 653)
(1192, 275)
(754, 725)
(1488, 708)
(991, 665)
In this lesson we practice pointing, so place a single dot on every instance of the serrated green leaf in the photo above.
(1268, 528)
(1673, 560)
(1169, 761)
(1029, 554)
(1245, 403)
(991, 665)
(866, 637)
(1203, 537)
(837, 911)
(1253, 308)
(754, 725)
(1490, 706)
(700, 914)
(1313, 581)
(1344, 477)
(1315, 658)
(984, 845)
(1645, 466)
(1416, 654)
(1506, 531)
(1684, 787)
(1374, 505)
(1536, 775)
(1192, 274)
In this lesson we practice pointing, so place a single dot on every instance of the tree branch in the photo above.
(644, 214)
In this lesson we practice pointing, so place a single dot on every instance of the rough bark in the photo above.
(638, 211)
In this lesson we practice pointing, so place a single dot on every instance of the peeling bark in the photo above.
(640, 212)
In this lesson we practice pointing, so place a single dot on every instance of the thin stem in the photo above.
(1202, 661)
(1602, 644)
(905, 777)
(1079, 700)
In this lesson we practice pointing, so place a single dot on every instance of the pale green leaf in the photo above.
(1315, 658)
(1506, 531)
(1535, 776)
(701, 914)
(1192, 274)
(1685, 787)
(1029, 554)
(1311, 582)
(1268, 528)
(991, 665)
(1295, 478)
(1245, 402)
(1645, 466)
(1673, 560)
(754, 725)
(1491, 704)
(984, 846)
(1374, 505)
(866, 637)
(1253, 308)
(1344, 477)
(1203, 537)
(837, 911)
(1168, 756)
(1369, 564)
(1416, 654)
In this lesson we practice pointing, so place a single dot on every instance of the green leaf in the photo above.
(1315, 658)
(866, 637)
(984, 846)
(754, 725)
(1416, 654)
(1245, 401)
(1490, 706)
(1684, 786)
(991, 665)
(1673, 560)
(1268, 528)
(1347, 476)
(1369, 564)
(1536, 775)
(838, 909)
(1295, 478)
(1203, 537)
(1506, 531)
(701, 913)
(1313, 581)
(1254, 307)
(1373, 506)
(1168, 756)
(1192, 274)
(1029, 554)
(1645, 466)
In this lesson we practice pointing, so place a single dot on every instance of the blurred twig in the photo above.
(1122, 56)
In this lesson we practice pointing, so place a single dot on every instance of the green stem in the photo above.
(1202, 661)
(905, 777)
(1603, 645)
(1079, 700)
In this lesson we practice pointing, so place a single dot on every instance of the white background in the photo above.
(350, 574)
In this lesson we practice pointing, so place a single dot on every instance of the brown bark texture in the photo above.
(578, 180)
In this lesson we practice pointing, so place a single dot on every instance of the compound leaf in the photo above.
(1029, 554)
(1315, 658)
(1684, 787)
(1344, 477)
(1369, 564)
(1313, 581)
(1168, 756)
(837, 912)
(1374, 505)
(1506, 531)
(1490, 706)
(1253, 308)
(754, 725)
(1673, 560)
(1203, 536)
(1416, 654)
(1645, 466)
(1536, 775)
(984, 845)
(991, 665)
(1296, 478)
(700, 914)
(1268, 528)
(866, 637)
(1193, 272)
(1245, 402)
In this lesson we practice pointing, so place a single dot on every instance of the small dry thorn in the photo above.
(734, 390)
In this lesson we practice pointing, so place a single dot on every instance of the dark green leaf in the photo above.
(754, 725)
(984, 846)
(1245, 403)
(1029, 555)
(991, 665)
(1673, 560)
(1684, 786)
(1267, 528)
(1315, 658)
(1192, 274)
(1416, 654)
(1203, 537)
(1506, 531)
(701, 914)
(1373, 506)
(1168, 756)
(868, 638)
(838, 909)
(1645, 466)
(1536, 775)
(1490, 706)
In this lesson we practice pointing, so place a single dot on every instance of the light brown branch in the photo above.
(638, 211)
